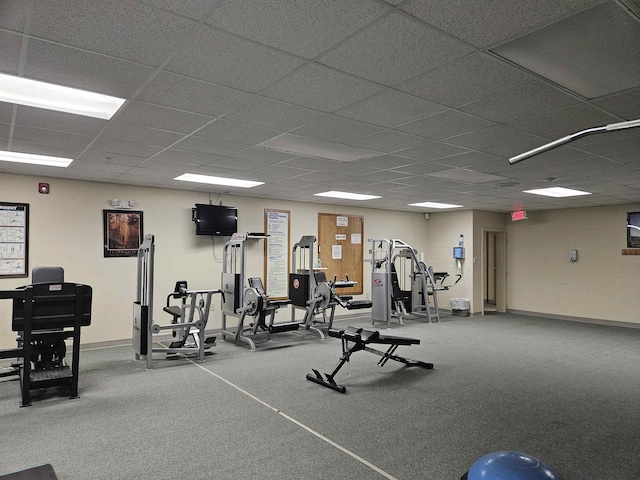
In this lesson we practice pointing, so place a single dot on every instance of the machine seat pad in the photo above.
(174, 310)
(356, 304)
(279, 303)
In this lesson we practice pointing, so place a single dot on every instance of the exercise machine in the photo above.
(403, 285)
(258, 305)
(241, 302)
(47, 314)
(326, 299)
(188, 323)
(390, 299)
(301, 278)
(191, 302)
(358, 339)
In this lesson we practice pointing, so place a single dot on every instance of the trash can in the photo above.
(460, 307)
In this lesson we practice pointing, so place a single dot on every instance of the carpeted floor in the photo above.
(563, 391)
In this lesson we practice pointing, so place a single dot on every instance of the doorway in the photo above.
(494, 285)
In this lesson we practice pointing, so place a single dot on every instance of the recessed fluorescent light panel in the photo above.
(33, 159)
(227, 182)
(435, 205)
(33, 93)
(346, 195)
(557, 192)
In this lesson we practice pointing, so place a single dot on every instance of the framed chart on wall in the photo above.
(276, 255)
(14, 239)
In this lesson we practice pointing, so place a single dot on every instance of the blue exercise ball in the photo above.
(508, 465)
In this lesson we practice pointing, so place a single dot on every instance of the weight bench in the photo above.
(360, 338)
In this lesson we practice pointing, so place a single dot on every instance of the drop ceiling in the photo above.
(414, 101)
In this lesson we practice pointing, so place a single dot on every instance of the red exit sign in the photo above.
(519, 215)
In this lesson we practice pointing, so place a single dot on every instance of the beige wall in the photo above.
(602, 284)
(443, 232)
(66, 230)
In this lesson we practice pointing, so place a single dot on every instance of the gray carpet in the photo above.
(562, 391)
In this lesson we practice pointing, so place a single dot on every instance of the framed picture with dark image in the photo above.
(122, 233)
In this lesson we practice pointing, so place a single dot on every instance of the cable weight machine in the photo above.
(185, 326)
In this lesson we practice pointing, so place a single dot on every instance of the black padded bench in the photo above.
(360, 338)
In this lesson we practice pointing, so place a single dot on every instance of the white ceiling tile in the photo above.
(488, 137)
(13, 15)
(176, 91)
(10, 44)
(467, 176)
(132, 132)
(194, 9)
(5, 130)
(313, 147)
(431, 151)
(390, 108)
(385, 162)
(421, 168)
(336, 129)
(570, 119)
(465, 80)
(264, 155)
(99, 166)
(51, 137)
(302, 27)
(182, 156)
(128, 30)
(244, 164)
(223, 58)
(272, 114)
(77, 68)
(445, 124)
(6, 112)
(322, 88)
(311, 163)
(60, 121)
(97, 156)
(484, 23)
(45, 149)
(126, 148)
(237, 132)
(625, 104)
(581, 51)
(208, 146)
(394, 50)
(387, 141)
(470, 159)
(161, 118)
(520, 102)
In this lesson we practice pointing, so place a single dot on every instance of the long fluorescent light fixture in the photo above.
(33, 93)
(346, 195)
(435, 205)
(227, 182)
(570, 138)
(557, 192)
(34, 159)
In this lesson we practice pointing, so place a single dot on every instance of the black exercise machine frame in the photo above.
(361, 337)
(42, 312)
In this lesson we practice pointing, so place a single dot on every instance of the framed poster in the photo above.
(14, 239)
(277, 226)
(122, 233)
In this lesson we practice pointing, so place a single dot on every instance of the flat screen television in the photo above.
(215, 220)
(633, 229)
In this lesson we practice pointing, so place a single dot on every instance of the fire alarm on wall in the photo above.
(43, 188)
